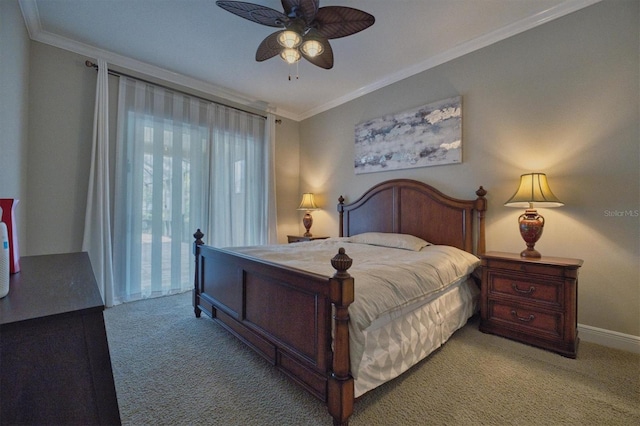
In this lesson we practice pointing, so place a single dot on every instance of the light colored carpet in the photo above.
(173, 369)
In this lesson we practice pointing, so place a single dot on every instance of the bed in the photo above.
(297, 305)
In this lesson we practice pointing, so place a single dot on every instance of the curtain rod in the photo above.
(90, 64)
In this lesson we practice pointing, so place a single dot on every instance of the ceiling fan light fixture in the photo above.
(290, 56)
(289, 39)
(301, 21)
(312, 48)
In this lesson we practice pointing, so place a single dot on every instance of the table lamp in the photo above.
(308, 204)
(533, 188)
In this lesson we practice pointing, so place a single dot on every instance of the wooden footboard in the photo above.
(285, 315)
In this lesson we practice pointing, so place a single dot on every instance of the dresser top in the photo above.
(50, 285)
(544, 260)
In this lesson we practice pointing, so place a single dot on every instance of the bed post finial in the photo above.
(341, 262)
(481, 207)
(340, 385)
(340, 216)
(196, 288)
(198, 236)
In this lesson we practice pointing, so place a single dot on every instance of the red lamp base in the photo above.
(533, 253)
(307, 221)
(531, 227)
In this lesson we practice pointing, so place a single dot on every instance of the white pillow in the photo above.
(386, 239)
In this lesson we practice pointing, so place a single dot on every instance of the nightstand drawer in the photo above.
(532, 321)
(534, 301)
(294, 239)
(525, 289)
(302, 238)
(528, 268)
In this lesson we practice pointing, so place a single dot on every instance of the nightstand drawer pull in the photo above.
(530, 318)
(515, 288)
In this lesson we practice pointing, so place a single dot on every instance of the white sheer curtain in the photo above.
(182, 164)
(97, 228)
(270, 179)
(239, 185)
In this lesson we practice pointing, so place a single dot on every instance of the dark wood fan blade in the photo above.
(339, 21)
(325, 59)
(256, 13)
(268, 48)
(308, 8)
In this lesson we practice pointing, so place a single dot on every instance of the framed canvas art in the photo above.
(429, 135)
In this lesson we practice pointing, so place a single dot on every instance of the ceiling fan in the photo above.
(305, 28)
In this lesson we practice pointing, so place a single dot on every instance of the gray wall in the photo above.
(288, 191)
(561, 98)
(62, 94)
(14, 97)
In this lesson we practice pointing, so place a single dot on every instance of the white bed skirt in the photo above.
(394, 346)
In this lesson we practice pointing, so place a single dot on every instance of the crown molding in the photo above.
(32, 20)
(31, 17)
(485, 40)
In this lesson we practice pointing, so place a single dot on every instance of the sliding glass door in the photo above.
(182, 163)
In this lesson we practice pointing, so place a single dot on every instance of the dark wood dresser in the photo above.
(534, 301)
(55, 366)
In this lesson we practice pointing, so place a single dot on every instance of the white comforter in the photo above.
(386, 279)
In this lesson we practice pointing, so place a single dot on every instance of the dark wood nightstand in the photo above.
(534, 301)
(299, 238)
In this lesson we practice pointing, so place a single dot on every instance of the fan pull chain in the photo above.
(297, 71)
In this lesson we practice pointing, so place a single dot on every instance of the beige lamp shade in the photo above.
(534, 188)
(308, 202)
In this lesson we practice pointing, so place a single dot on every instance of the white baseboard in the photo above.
(611, 339)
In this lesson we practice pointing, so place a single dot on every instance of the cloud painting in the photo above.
(429, 135)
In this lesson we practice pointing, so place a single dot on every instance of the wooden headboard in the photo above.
(407, 206)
